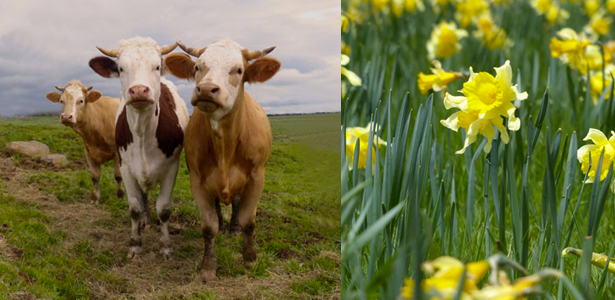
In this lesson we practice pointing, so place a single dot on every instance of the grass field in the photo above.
(56, 244)
(527, 198)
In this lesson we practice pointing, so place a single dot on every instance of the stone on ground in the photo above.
(30, 149)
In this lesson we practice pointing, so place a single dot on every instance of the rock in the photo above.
(57, 160)
(31, 148)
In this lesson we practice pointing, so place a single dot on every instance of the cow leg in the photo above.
(209, 225)
(163, 209)
(134, 195)
(219, 213)
(147, 212)
(118, 177)
(234, 226)
(95, 171)
(247, 212)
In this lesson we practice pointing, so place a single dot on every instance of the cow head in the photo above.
(220, 71)
(139, 67)
(74, 98)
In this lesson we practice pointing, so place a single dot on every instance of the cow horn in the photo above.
(60, 89)
(192, 51)
(88, 89)
(111, 53)
(167, 49)
(254, 54)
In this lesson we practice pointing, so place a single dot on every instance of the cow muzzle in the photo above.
(67, 120)
(207, 97)
(139, 97)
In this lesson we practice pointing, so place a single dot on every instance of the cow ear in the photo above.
(180, 65)
(53, 97)
(92, 96)
(262, 69)
(104, 66)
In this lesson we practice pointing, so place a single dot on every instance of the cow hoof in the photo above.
(249, 254)
(134, 252)
(120, 194)
(208, 275)
(167, 253)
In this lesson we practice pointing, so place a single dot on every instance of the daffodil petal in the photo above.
(596, 136)
(460, 102)
(504, 72)
(352, 77)
(452, 122)
(345, 59)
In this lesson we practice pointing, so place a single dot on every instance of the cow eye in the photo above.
(196, 68)
(239, 71)
(81, 101)
(61, 101)
(121, 70)
(158, 68)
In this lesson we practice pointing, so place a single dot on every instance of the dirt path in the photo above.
(151, 276)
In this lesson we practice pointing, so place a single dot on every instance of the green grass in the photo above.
(525, 199)
(297, 220)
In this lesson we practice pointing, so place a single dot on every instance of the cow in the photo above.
(92, 117)
(149, 131)
(228, 138)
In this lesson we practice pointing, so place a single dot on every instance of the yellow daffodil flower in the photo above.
(599, 24)
(506, 291)
(380, 4)
(598, 83)
(598, 260)
(591, 7)
(490, 34)
(610, 6)
(541, 6)
(595, 150)
(468, 10)
(444, 41)
(556, 14)
(577, 51)
(436, 81)
(361, 133)
(445, 274)
(568, 42)
(486, 100)
(352, 77)
(411, 6)
(345, 23)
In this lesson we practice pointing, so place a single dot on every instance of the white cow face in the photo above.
(139, 66)
(74, 98)
(219, 72)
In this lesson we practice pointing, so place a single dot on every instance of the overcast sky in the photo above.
(45, 43)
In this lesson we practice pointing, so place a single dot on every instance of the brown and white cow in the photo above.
(93, 118)
(228, 139)
(149, 131)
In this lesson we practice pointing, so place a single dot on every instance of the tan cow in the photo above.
(93, 118)
(228, 139)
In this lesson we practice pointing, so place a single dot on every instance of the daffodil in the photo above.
(594, 151)
(362, 134)
(444, 41)
(411, 6)
(380, 5)
(591, 7)
(486, 100)
(445, 273)
(599, 24)
(468, 10)
(556, 14)
(351, 76)
(519, 290)
(577, 51)
(436, 81)
(541, 6)
(490, 34)
(598, 260)
(610, 6)
(598, 83)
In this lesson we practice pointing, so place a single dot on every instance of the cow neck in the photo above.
(226, 136)
(143, 123)
(91, 129)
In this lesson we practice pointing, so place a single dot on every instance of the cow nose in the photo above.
(138, 91)
(207, 89)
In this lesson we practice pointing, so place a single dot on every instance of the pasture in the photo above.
(56, 244)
